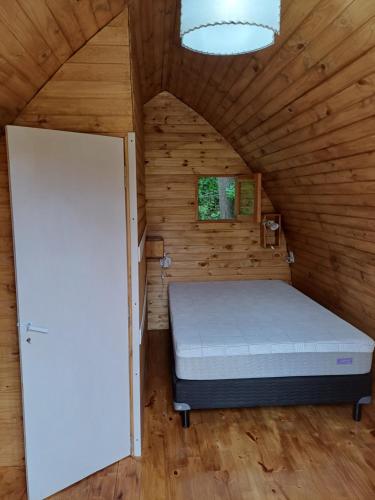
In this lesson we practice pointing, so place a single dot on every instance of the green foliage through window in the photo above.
(216, 198)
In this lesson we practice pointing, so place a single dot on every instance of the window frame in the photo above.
(256, 217)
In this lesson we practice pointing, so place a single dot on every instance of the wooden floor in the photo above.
(270, 453)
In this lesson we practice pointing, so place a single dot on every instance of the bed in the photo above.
(258, 343)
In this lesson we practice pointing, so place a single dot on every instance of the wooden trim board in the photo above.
(141, 247)
(135, 316)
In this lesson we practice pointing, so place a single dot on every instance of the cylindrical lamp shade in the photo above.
(229, 27)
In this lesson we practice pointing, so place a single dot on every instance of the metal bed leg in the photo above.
(357, 412)
(185, 416)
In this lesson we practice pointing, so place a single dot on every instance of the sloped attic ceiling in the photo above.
(37, 37)
(255, 100)
(301, 111)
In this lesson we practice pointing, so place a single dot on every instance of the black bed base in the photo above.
(273, 391)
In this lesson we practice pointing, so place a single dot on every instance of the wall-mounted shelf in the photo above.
(154, 247)
(270, 230)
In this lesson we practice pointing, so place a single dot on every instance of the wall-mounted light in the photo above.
(270, 231)
(229, 27)
(271, 225)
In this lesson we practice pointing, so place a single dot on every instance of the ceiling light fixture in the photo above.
(229, 27)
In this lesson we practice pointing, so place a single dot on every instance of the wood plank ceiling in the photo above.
(301, 111)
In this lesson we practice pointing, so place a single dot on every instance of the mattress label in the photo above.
(344, 361)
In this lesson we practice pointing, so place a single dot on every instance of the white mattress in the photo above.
(245, 329)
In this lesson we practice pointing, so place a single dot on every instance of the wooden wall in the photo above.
(138, 120)
(179, 144)
(37, 37)
(92, 92)
(326, 191)
(314, 142)
(302, 112)
(297, 111)
(11, 431)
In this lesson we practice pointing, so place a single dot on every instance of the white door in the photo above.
(68, 206)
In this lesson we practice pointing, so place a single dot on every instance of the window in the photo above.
(246, 197)
(216, 198)
(221, 198)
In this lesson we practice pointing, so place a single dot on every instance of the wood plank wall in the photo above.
(179, 144)
(302, 112)
(327, 196)
(11, 431)
(304, 105)
(92, 92)
(138, 121)
(314, 142)
(37, 37)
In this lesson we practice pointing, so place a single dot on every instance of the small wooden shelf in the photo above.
(154, 247)
(268, 237)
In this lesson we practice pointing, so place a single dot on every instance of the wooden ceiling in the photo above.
(255, 100)
(303, 113)
(37, 37)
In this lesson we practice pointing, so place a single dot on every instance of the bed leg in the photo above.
(185, 416)
(357, 412)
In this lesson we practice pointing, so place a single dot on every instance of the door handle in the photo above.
(31, 328)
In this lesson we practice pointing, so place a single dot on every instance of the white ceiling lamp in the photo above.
(229, 27)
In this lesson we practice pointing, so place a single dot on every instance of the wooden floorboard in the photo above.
(299, 453)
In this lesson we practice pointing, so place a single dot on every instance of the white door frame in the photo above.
(137, 317)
